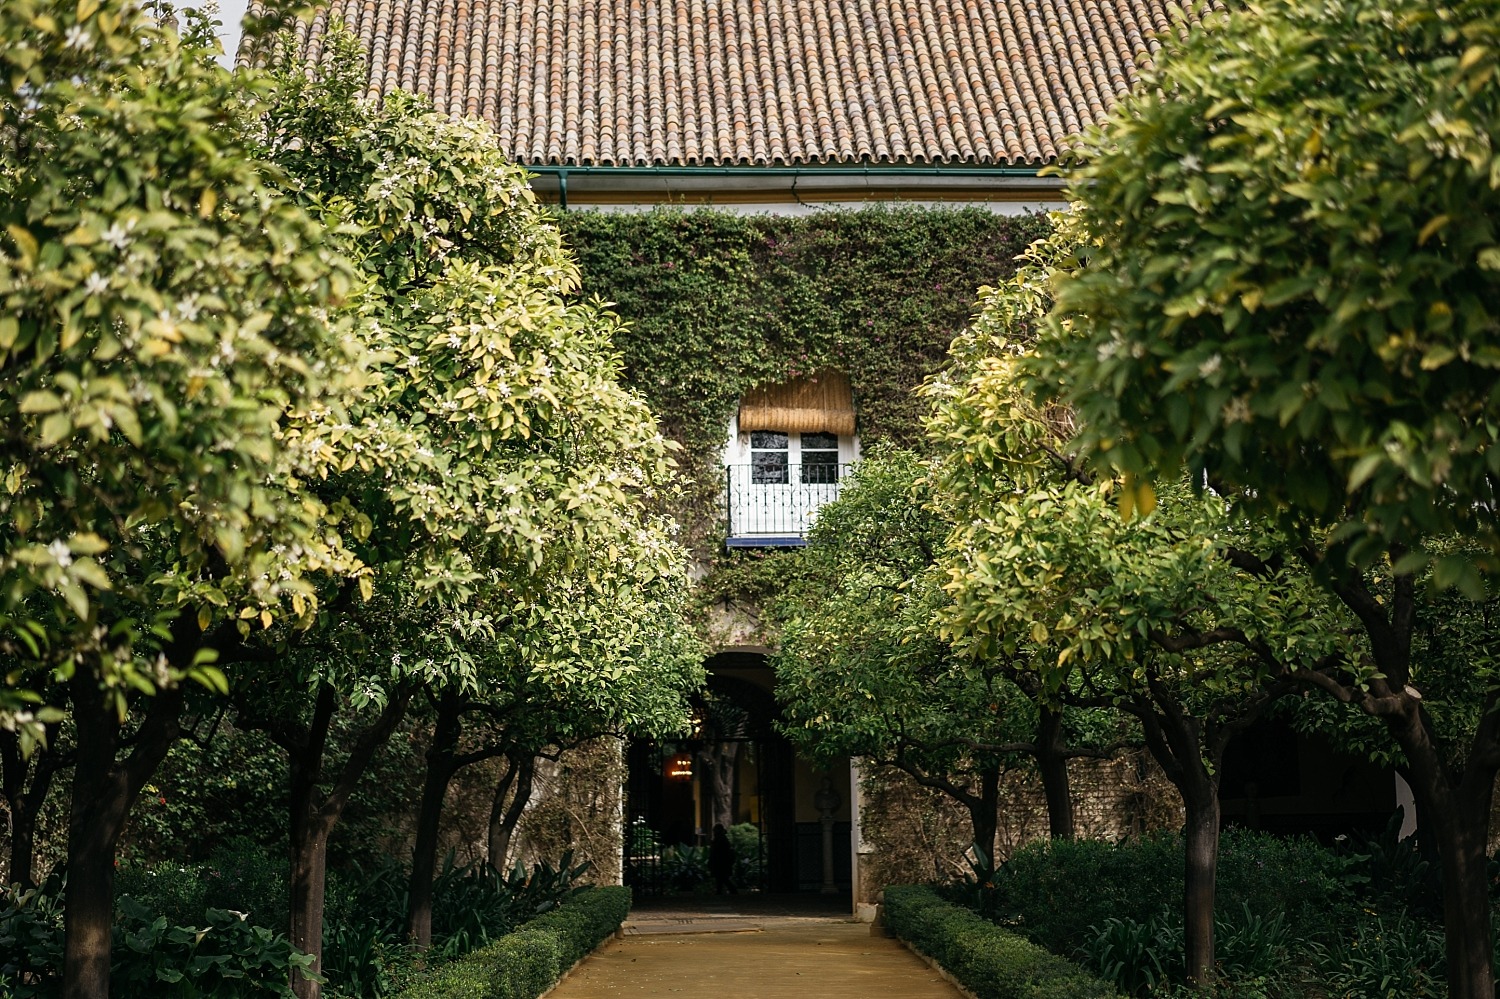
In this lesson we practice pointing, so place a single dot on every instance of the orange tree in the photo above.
(499, 478)
(163, 306)
(864, 670)
(1290, 294)
(1152, 612)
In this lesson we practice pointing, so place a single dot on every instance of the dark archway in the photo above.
(736, 769)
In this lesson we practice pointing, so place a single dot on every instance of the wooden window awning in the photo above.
(821, 403)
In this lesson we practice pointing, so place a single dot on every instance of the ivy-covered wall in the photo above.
(718, 303)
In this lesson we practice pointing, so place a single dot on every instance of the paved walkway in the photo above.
(754, 948)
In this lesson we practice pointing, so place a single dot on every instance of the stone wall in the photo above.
(913, 834)
(576, 804)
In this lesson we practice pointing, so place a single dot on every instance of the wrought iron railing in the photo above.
(775, 503)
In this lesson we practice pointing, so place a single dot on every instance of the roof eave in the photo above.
(812, 185)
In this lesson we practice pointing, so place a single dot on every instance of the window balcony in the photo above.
(773, 503)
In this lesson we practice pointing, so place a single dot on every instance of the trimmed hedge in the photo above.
(528, 962)
(987, 960)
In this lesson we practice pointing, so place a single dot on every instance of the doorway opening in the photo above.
(787, 818)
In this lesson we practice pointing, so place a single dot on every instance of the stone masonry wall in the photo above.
(913, 834)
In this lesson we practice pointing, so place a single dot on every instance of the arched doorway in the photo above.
(734, 769)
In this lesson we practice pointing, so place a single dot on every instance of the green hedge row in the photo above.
(528, 962)
(987, 960)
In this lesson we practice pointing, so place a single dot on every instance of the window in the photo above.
(770, 458)
(787, 449)
(820, 459)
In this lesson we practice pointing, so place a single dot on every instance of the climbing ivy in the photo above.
(717, 303)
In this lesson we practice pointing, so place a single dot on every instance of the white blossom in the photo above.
(118, 236)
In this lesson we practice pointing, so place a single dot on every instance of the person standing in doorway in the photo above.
(721, 861)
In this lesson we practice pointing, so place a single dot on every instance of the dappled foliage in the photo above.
(1292, 253)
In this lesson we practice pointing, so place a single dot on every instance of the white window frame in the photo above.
(737, 448)
(790, 495)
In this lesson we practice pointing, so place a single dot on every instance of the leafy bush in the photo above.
(365, 951)
(748, 861)
(240, 876)
(1146, 958)
(988, 960)
(1058, 892)
(528, 962)
(1363, 917)
(1137, 957)
(31, 938)
(222, 919)
(1054, 891)
(1384, 957)
(219, 954)
(222, 956)
(1391, 872)
(684, 867)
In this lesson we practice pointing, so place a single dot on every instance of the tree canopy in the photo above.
(1290, 230)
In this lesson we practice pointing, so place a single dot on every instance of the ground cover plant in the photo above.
(1295, 919)
(218, 928)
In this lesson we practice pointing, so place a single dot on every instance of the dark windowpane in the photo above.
(769, 439)
(820, 467)
(768, 467)
(820, 442)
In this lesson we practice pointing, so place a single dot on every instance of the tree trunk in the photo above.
(309, 879)
(1201, 863)
(441, 765)
(24, 803)
(1466, 908)
(1175, 740)
(503, 818)
(1457, 820)
(983, 812)
(313, 816)
(94, 822)
(103, 791)
(1053, 766)
(308, 846)
(721, 763)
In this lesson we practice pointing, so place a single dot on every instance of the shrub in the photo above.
(991, 962)
(1060, 893)
(240, 876)
(684, 867)
(1145, 958)
(748, 865)
(1055, 891)
(365, 950)
(1384, 957)
(1137, 957)
(524, 964)
(218, 954)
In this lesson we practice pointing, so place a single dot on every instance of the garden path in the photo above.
(720, 950)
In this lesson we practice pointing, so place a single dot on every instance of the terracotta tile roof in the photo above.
(761, 82)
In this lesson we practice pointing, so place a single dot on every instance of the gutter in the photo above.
(796, 173)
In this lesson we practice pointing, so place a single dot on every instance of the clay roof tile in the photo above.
(661, 82)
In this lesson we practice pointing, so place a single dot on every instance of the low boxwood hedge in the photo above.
(528, 962)
(987, 960)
